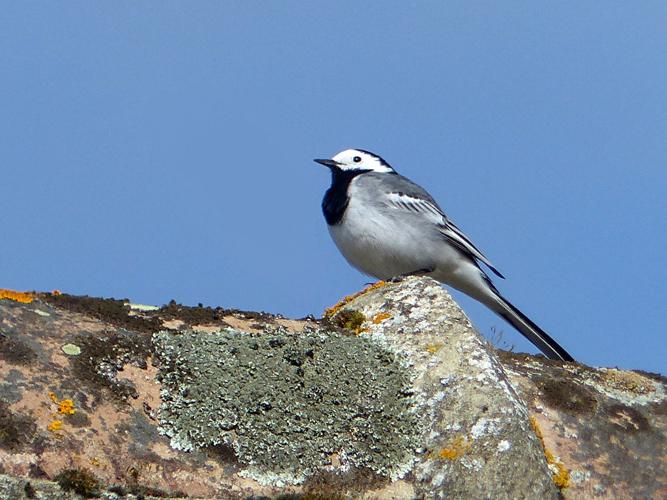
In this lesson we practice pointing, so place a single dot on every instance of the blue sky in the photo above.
(159, 150)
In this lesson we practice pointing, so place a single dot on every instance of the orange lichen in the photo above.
(433, 348)
(330, 311)
(561, 477)
(459, 447)
(56, 425)
(380, 317)
(24, 297)
(66, 407)
(56, 292)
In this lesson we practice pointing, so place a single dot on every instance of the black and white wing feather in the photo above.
(419, 201)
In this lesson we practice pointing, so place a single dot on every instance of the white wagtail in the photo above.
(387, 226)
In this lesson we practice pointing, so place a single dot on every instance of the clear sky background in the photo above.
(159, 150)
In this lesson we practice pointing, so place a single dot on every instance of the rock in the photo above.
(608, 427)
(476, 433)
(19, 488)
(392, 395)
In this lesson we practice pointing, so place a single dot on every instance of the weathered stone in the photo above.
(477, 441)
(395, 396)
(607, 426)
(17, 488)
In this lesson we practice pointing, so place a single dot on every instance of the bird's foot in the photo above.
(418, 272)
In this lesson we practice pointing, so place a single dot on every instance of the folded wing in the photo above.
(421, 202)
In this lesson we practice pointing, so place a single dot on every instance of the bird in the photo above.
(388, 227)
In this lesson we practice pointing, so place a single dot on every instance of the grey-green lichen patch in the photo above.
(71, 349)
(288, 404)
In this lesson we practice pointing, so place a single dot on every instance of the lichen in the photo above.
(568, 395)
(350, 319)
(331, 311)
(103, 355)
(433, 348)
(16, 430)
(23, 297)
(111, 311)
(380, 317)
(340, 485)
(15, 351)
(65, 406)
(561, 476)
(201, 314)
(71, 349)
(286, 403)
(459, 446)
(627, 381)
(55, 426)
(626, 419)
(140, 492)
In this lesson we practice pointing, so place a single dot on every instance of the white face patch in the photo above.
(355, 159)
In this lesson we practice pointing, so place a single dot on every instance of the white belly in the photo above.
(380, 245)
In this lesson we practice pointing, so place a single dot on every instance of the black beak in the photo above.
(327, 163)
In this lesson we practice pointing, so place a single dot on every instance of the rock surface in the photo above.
(392, 395)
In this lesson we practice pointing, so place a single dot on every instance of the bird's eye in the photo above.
(356, 159)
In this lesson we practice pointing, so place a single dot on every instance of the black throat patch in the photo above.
(336, 198)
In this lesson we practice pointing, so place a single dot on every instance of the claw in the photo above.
(418, 272)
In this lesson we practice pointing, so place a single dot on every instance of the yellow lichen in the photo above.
(561, 477)
(459, 447)
(95, 461)
(433, 348)
(23, 297)
(627, 381)
(330, 311)
(56, 425)
(380, 317)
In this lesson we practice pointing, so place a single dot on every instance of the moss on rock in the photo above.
(80, 481)
(349, 319)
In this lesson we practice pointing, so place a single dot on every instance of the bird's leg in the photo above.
(418, 272)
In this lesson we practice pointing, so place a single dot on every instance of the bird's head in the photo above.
(357, 160)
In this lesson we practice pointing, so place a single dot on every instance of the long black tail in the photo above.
(530, 330)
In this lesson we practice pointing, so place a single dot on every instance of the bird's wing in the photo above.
(419, 201)
(416, 204)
